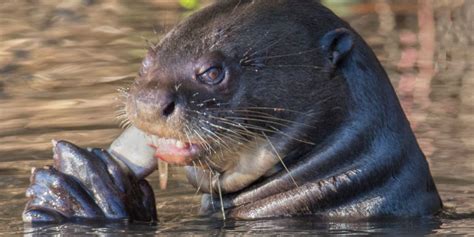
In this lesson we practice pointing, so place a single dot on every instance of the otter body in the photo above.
(282, 109)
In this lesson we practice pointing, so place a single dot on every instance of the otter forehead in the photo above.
(235, 27)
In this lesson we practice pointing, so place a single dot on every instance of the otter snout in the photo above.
(153, 105)
(155, 111)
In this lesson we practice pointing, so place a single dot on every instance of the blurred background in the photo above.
(62, 61)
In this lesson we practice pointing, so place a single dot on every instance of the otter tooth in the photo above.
(180, 144)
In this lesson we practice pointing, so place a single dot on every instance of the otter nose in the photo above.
(168, 109)
(155, 103)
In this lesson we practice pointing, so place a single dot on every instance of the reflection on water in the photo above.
(62, 61)
(294, 226)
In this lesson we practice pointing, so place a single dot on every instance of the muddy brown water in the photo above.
(61, 63)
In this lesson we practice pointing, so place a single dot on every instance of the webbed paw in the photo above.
(87, 185)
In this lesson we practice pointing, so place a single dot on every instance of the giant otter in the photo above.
(276, 108)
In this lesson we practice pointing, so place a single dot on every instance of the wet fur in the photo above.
(346, 146)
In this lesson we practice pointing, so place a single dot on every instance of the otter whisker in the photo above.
(120, 105)
(275, 130)
(121, 121)
(283, 55)
(236, 6)
(210, 187)
(119, 116)
(242, 129)
(247, 53)
(260, 110)
(260, 120)
(127, 124)
(270, 45)
(261, 115)
(235, 135)
(213, 141)
(205, 143)
(200, 163)
(196, 177)
(216, 140)
(231, 122)
(291, 137)
(265, 118)
(232, 137)
(220, 195)
(124, 123)
(277, 109)
(208, 100)
(207, 161)
(186, 133)
(286, 65)
(120, 112)
(219, 140)
(209, 167)
(281, 159)
(226, 121)
(124, 92)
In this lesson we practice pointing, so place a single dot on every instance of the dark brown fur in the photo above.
(345, 144)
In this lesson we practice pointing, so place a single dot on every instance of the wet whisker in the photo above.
(282, 55)
(220, 196)
(281, 159)
(287, 65)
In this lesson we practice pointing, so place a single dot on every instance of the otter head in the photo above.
(237, 88)
(174, 100)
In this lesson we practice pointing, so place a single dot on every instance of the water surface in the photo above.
(61, 63)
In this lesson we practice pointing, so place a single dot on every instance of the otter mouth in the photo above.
(174, 151)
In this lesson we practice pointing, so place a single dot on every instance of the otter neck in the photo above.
(369, 84)
(369, 135)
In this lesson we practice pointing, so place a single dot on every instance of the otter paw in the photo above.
(87, 184)
(54, 197)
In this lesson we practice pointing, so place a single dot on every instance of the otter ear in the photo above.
(337, 44)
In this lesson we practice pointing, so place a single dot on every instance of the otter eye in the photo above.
(212, 76)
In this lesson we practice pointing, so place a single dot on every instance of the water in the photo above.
(62, 61)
